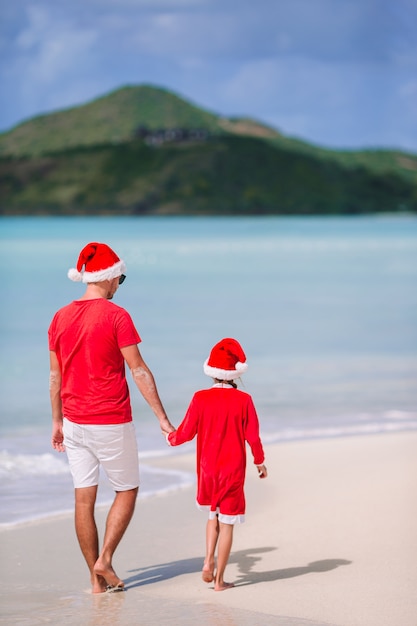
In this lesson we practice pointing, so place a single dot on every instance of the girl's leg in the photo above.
(224, 547)
(212, 535)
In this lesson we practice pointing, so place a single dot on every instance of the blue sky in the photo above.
(337, 73)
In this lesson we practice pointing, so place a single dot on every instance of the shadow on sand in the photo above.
(245, 560)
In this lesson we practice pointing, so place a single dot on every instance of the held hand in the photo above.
(57, 440)
(166, 426)
(167, 439)
(262, 471)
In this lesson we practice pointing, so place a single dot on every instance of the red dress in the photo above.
(224, 419)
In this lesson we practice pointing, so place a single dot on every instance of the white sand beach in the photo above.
(330, 539)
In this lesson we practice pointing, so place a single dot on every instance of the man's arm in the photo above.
(145, 382)
(56, 403)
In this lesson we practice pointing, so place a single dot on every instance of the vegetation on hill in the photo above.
(116, 118)
(225, 175)
(143, 150)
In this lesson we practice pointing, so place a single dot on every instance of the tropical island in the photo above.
(143, 150)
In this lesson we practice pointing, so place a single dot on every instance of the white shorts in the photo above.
(113, 446)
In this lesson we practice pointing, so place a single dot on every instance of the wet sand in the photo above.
(329, 539)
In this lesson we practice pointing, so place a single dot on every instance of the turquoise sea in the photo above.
(325, 308)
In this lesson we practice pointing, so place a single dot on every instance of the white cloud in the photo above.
(173, 35)
(50, 48)
(328, 104)
(409, 89)
(155, 5)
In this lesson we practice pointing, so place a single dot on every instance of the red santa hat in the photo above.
(100, 263)
(226, 361)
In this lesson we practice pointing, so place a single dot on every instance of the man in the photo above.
(90, 340)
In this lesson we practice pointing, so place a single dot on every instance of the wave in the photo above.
(20, 465)
(27, 497)
(364, 424)
(39, 486)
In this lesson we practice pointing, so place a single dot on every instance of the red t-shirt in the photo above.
(87, 336)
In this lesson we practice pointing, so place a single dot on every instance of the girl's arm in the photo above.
(187, 430)
(253, 438)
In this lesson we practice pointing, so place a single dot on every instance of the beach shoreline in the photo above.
(329, 539)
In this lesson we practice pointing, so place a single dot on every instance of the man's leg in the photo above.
(212, 535)
(118, 520)
(86, 529)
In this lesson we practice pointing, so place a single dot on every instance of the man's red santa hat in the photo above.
(100, 263)
(227, 360)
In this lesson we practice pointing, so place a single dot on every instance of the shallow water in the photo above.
(324, 308)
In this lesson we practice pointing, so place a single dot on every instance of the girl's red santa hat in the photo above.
(100, 263)
(227, 360)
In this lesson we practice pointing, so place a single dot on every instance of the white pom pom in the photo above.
(241, 367)
(74, 275)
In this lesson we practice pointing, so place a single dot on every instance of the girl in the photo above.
(224, 419)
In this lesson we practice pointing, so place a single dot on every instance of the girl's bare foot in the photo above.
(223, 586)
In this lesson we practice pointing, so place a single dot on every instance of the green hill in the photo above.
(143, 150)
(377, 161)
(116, 118)
(228, 175)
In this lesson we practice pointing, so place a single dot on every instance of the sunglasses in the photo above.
(122, 278)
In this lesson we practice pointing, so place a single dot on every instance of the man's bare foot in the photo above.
(207, 573)
(119, 587)
(223, 586)
(98, 584)
(108, 574)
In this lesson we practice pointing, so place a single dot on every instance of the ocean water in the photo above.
(325, 309)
